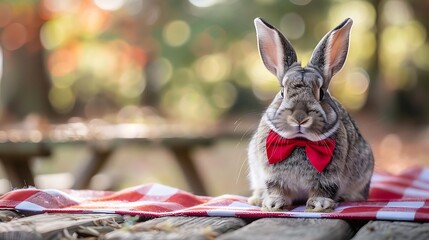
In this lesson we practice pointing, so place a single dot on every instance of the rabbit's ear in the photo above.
(331, 52)
(276, 51)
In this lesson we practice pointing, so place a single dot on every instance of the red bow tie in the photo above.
(318, 153)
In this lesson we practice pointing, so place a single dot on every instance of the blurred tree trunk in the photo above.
(402, 104)
(25, 83)
(150, 96)
(416, 98)
(377, 94)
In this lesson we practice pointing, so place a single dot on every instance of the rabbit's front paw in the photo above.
(254, 200)
(320, 204)
(274, 203)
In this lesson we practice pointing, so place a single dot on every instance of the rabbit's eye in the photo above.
(321, 94)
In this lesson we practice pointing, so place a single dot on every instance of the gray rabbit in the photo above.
(329, 160)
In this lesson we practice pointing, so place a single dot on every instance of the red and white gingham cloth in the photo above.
(393, 197)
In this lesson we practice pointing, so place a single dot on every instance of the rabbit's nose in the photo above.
(306, 122)
(300, 119)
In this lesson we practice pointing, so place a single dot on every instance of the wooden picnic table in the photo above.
(18, 147)
(17, 225)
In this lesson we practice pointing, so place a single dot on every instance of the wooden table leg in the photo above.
(193, 179)
(91, 167)
(19, 172)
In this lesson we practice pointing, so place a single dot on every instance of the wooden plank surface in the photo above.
(56, 226)
(178, 228)
(8, 215)
(383, 230)
(14, 225)
(23, 150)
(293, 228)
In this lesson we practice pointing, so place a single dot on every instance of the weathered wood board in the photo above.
(178, 228)
(8, 215)
(15, 225)
(55, 226)
(293, 228)
(383, 230)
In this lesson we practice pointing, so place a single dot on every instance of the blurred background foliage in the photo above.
(197, 60)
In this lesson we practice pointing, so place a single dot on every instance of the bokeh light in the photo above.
(54, 33)
(356, 89)
(93, 21)
(357, 82)
(204, 3)
(224, 95)
(62, 5)
(421, 57)
(176, 33)
(129, 113)
(135, 7)
(213, 68)
(14, 36)
(397, 12)
(292, 25)
(391, 145)
(300, 2)
(264, 84)
(131, 83)
(398, 42)
(164, 72)
(104, 55)
(109, 5)
(62, 99)
(62, 62)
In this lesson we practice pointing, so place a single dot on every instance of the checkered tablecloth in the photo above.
(393, 197)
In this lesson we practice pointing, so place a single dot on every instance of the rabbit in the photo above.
(304, 111)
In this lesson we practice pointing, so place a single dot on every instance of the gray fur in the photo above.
(346, 177)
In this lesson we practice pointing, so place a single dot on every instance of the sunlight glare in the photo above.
(203, 3)
(109, 5)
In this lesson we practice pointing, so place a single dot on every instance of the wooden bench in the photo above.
(16, 159)
(15, 225)
(102, 141)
